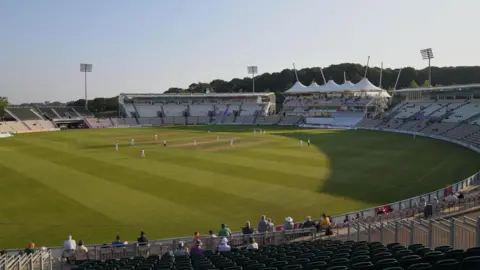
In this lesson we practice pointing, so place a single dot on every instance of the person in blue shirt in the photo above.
(117, 242)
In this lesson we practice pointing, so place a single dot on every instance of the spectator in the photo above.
(181, 250)
(451, 199)
(224, 245)
(288, 225)
(271, 226)
(357, 217)
(247, 229)
(308, 223)
(324, 222)
(263, 225)
(346, 220)
(211, 240)
(460, 195)
(69, 247)
(224, 231)
(196, 236)
(81, 253)
(30, 249)
(252, 245)
(118, 243)
(197, 249)
(142, 240)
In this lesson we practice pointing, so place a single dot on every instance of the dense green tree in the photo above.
(3, 105)
(278, 82)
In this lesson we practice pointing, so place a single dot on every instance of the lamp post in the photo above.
(253, 70)
(428, 54)
(86, 68)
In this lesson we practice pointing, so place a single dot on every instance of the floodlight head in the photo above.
(86, 67)
(426, 53)
(252, 70)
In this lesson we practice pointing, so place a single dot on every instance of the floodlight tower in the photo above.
(253, 70)
(428, 54)
(86, 68)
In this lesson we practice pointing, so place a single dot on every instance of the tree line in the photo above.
(278, 82)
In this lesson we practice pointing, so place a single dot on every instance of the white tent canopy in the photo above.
(298, 87)
(314, 87)
(330, 86)
(366, 85)
(348, 85)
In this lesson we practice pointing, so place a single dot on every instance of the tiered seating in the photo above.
(82, 111)
(66, 112)
(228, 119)
(464, 112)
(168, 120)
(24, 114)
(290, 120)
(34, 124)
(129, 109)
(18, 126)
(200, 109)
(248, 109)
(432, 108)
(268, 120)
(369, 123)
(245, 119)
(322, 255)
(409, 110)
(5, 127)
(462, 131)
(147, 110)
(174, 109)
(447, 108)
(99, 122)
(438, 128)
(48, 112)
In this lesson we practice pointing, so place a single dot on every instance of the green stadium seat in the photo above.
(406, 261)
(386, 263)
(420, 266)
(448, 264)
(470, 263)
(443, 248)
(363, 266)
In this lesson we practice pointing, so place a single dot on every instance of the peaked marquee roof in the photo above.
(298, 87)
(332, 86)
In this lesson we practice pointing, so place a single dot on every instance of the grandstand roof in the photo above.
(331, 85)
(298, 87)
(348, 85)
(366, 85)
(313, 87)
(440, 88)
(188, 95)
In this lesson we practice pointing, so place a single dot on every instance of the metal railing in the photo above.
(40, 260)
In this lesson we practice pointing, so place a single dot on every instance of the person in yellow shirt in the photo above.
(325, 221)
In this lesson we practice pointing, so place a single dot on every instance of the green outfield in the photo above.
(74, 182)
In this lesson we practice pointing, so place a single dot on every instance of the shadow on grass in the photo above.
(374, 167)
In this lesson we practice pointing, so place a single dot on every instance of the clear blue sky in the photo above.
(151, 45)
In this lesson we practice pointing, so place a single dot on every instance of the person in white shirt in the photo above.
(194, 142)
(224, 245)
(116, 146)
(301, 143)
(254, 132)
(132, 141)
(252, 245)
(231, 142)
(143, 153)
(308, 142)
(164, 143)
(181, 251)
(69, 247)
(156, 137)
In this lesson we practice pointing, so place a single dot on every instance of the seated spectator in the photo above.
(451, 199)
(308, 223)
(324, 222)
(69, 247)
(224, 245)
(211, 241)
(118, 243)
(357, 216)
(247, 229)
(197, 249)
(346, 220)
(262, 225)
(252, 245)
(30, 249)
(181, 250)
(224, 231)
(196, 236)
(288, 225)
(460, 195)
(142, 240)
(81, 253)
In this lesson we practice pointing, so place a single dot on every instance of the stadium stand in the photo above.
(22, 114)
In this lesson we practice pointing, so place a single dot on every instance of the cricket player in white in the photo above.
(164, 143)
(261, 132)
(143, 153)
(308, 142)
(231, 142)
(132, 141)
(301, 143)
(254, 132)
(156, 137)
(194, 142)
(264, 132)
(116, 146)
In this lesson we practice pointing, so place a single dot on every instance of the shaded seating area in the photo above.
(24, 113)
(323, 254)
